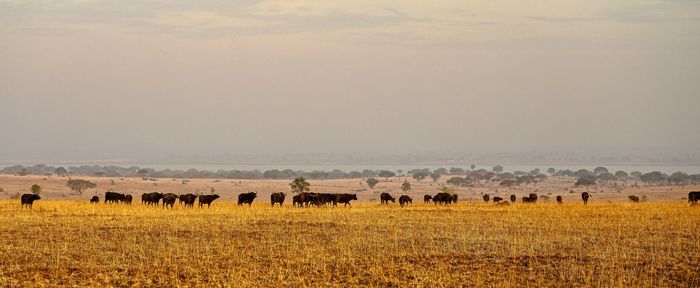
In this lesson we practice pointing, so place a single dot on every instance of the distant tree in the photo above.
(535, 171)
(371, 182)
(525, 179)
(497, 168)
(678, 178)
(386, 174)
(583, 172)
(36, 189)
(441, 171)
(406, 187)
(60, 171)
(600, 170)
(23, 172)
(621, 174)
(585, 180)
(457, 171)
(653, 177)
(79, 185)
(420, 175)
(508, 183)
(399, 172)
(606, 177)
(551, 171)
(299, 185)
(459, 181)
(472, 167)
(636, 174)
(143, 172)
(435, 176)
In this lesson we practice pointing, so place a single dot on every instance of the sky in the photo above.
(95, 79)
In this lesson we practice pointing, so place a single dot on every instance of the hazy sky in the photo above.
(123, 79)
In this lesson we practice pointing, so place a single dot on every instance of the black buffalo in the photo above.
(560, 200)
(169, 200)
(207, 199)
(454, 198)
(307, 198)
(114, 197)
(95, 199)
(246, 198)
(497, 199)
(633, 198)
(277, 198)
(385, 198)
(693, 197)
(486, 198)
(427, 199)
(296, 201)
(28, 199)
(188, 199)
(526, 199)
(151, 198)
(128, 199)
(585, 197)
(513, 198)
(345, 199)
(404, 200)
(326, 198)
(442, 198)
(533, 197)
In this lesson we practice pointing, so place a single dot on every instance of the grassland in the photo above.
(72, 243)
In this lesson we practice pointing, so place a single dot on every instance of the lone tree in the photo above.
(371, 182)
(586, 180)
(498, 168)
(435, 176)
(551, 171)
(406, 187)
(36, 189)
(142, 172)
(420, 175)
(386, 174)
(79, 185)
(299, 185)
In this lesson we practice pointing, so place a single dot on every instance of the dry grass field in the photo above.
(73, 243)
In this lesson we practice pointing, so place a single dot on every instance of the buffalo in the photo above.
(207, 199)
(693, 197)
(526, 199)
(442, 198)
(28, 199)
(427, 199)
(385, 198)
(486, 198)
(326, 198)
(513, 198)
(404, 200)
(114, 197)
(188, 199)
(307, 198)
(277, 198)
(345, 199)
(560, 200)
(585, 197)
(95, 199)
(633, 198)
(497, 199)
(169, 200)
(533, 197)
(296, 201)
(454, 198)
(151, 198)
(246, 198)
(128, 199)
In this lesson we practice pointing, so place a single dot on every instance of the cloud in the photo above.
(208, 19)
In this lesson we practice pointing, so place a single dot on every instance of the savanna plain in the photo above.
(66, 241)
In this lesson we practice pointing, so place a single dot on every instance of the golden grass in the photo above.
(67, 243)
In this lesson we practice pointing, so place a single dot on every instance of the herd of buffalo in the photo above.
(304, 199)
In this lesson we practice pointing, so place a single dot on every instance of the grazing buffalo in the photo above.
(128, 199)
(169, 200)
(28, 199)
(633, 198)
(246, 198)
(526, 199)
(296, 200)
(277, 198)
(454, 198)
(442, 198)
(151, 198)
(585, 197)
(486, 198)
(404, 200)
(533, 197)
(188, 199)
(560, 200)
(326, 198)
(427, 199)
(497, 199)
(114, 197)
(207, 199)
(513, 198)
(95, 200)
(385, 198)
(693, 197)
(306, 198)
(345, 199)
